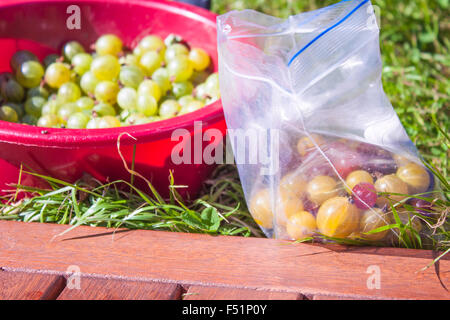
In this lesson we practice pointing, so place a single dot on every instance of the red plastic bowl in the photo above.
(40, 26)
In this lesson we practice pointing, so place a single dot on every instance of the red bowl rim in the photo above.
(15, 133)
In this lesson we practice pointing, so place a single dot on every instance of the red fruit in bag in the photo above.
(364, 195)
(320, 170)
(380, 166)
(347, 163)
(343, 158)
(310, 206)
(376, 159)
(372, 151)
(423, 207)
(316, 165)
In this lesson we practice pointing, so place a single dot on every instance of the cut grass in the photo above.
(91, 203)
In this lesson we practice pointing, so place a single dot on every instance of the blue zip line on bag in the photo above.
(327, 30)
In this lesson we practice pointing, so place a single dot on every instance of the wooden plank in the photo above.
(220, 293)
(251, 263)
(29, 286)
(113, 289)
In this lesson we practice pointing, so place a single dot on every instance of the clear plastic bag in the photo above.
(313, 82)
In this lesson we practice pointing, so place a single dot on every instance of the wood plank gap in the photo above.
(184, 289)
(178, 294)
(55, 289)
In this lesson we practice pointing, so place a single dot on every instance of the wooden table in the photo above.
(36, 262)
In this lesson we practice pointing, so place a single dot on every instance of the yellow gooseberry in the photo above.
(338, 218)
(415, 176)
(260, 209)
(322, 188)
(390, 183)
(301, 225)
(357, 177)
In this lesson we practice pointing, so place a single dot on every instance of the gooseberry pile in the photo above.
(345, 191)
(110, 87)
